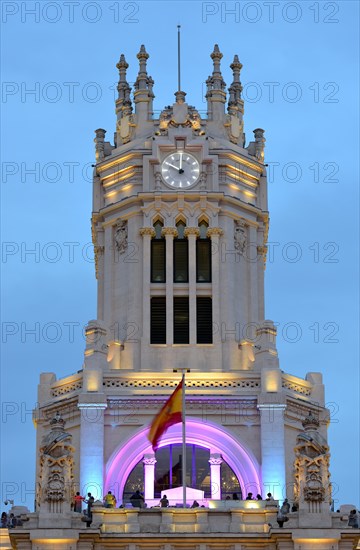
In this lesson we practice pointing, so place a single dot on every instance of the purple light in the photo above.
(209, 435)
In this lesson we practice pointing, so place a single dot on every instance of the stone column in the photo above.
(92, 409)
(214, 233)
(149, 461)
(192, 233)
(273, 449)
(147, 233)
(170, 233)
(215, 475)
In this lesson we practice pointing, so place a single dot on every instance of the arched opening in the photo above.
(168, 472)
(206, 435)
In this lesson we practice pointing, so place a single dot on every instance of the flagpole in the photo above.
(183, 441)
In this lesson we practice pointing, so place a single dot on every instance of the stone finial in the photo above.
(142, 53)
(215, 86)
(236, 104)
(143, 95)
(217, 79)
(236, 67)
(141, 81)
(123, 103)
(122, 65)
(310, 422)
(180, 96)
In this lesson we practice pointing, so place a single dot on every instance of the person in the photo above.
(109, 500)
(294, 507)
(4, 520)
(353, 519)
(195, 504)
(12, 521)
(235, 497)
(164, 503)
(249, 496)
(269, 497)
(281, 518)
(137, 500)
(89, 501)
(285, 508)
(78, 500)
(258, 497)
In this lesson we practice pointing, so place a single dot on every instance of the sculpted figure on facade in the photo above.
(240, 238)
(56, 469)
(311, 467)
(121, 236)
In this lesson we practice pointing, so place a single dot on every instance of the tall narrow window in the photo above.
(181, 320)
(158, 251)
(181, 268)
(204, 320)
(203, 256)
(158, 320)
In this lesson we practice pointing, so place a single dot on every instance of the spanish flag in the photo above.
(171, 413)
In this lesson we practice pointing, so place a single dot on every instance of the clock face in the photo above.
(180, 170)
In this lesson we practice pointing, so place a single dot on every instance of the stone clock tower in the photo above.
(180, 224)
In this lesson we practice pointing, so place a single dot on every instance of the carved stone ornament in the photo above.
(121, 236)
(125, 127)
(147, 231)
(54, 490)
(311, 466)
(240, 238)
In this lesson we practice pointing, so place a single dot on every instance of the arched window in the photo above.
(158, 255)
(168, 472)
(181, 263)
(203, 255)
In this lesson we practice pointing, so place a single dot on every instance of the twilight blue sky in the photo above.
(300, 78)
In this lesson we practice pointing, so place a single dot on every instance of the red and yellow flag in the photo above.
(171, 413)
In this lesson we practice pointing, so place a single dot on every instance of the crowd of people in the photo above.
(137, 500)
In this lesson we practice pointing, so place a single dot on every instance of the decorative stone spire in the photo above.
(123, 103)
(216, 95)
(218, 82)
(144, 95)
(235, 102)
(141, 81)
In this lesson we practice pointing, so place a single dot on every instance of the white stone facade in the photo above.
(240, 405)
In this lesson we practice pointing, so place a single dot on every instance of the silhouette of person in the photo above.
(164, 503)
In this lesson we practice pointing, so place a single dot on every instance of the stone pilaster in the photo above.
(170, 233)
(149, 461)
(92, 407)
(147, 234)
(192, 233)
(215, 233)
(273, 449)
(215, 462)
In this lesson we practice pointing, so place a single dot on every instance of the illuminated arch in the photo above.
(206, 434)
